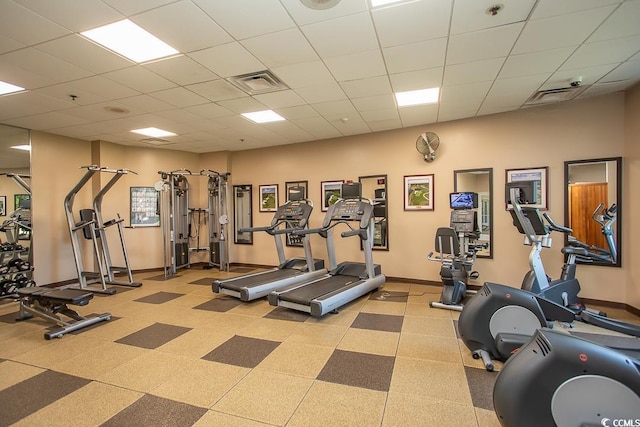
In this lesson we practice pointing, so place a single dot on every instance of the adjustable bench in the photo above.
(50, 303)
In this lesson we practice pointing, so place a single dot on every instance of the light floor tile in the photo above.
(145, 372)
(195, 343)
(432, 379)
(91, 405)
(368, 341)
(265, 396)
(58, 351)
(384, 307)
(254, 308)
(429, 347)
(328, 404)
(12, 330)
(487, 418)
(231, 323)
(202, 383)
(341, 318)
(318, 334)
(412, 410)
(116, 328)
(302, 360)
(396, 287)
(12, 373)
(24, 343)
(468, 360)
(217, 419)
(423, 310)
(270, 329)
(428, 326)
(179, 316)
(191, 300)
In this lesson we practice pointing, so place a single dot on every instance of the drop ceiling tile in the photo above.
(603, 52)
(228, 60)
(25, 26)
(8, 44)
(335, 110)
(488, 109)
(589, 75)
(412, 22)
(513, 91)
(304, 74)
(321, 93)
(460, 95)
(416, 80)
(217, 90)
(357, 65)
(318, 127)
(355, 126)
(415, 56)
(472, 72)
(418, 115)
(342, 36)
(76, 15)
(298, 112)
(242, 105)
(64, 90)
(448, 114)
(83, 53)
(303, 15)
(128, 7)
(377, 103)
(168, 24)
(145, 103)
(29, 103)
(535, 63)
(484, 44)
(105, 88)
(281, 48)
(605, 88)
(560, 31)
(472, 15)
(629, 70)
(281, 99)
(548, 8)
(382, 125)
(140, 79)
(210, 110)
(46, 121)
(623, 22)
(179, 97)
(370, 86)
(379, 115)
(181, 121)
(96, 114)
(181, 70)
(248, 18)
(290, 131)
(32, 62)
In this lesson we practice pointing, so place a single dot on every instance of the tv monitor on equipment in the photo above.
(466, 200)
(351, 190)
(525, 192)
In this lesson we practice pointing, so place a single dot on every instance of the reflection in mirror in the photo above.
(590, 183)
(374, 187)
(479, 181)
(242, 214)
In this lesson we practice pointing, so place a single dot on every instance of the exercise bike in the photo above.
(456, 251)
(499, 319)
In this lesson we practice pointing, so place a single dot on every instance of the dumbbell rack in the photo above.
(15, 270)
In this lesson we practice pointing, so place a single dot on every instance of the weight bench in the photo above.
(50, 303)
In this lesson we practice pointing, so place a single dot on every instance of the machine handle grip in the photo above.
(556, 227)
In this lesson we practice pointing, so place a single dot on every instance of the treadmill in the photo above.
(348, 280)
(293, 215)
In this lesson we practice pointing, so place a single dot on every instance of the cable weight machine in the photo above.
(180, 223)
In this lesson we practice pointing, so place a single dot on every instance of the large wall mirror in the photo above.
(589, 184)
(243, 217)
(479, 181)
(374, 188)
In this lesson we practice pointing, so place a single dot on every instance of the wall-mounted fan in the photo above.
(427, 144)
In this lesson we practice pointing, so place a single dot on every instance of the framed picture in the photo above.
(145, 207)
(269, 198)
(3, 205)
(17, 200)
(418, 193)
(330, 192)
(290, 184)
(537, 186)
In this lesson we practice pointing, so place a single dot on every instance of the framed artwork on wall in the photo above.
(3, 205)
(269, 198)
(418, 192)
(145, 207)
(330, 191)
(537, 185)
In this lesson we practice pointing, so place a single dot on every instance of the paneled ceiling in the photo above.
(340, 66)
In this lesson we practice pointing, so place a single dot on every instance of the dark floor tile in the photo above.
(10, 317)
(378, 322)
(158, 412)
(241, 269)
(220, 304)
(281, 313)
(206, 281)
(481, 383)
(162, 278)
(390, 296)
(358, 370)
(153, 336)
(159, 297)
(30, 395)
(119, 290)
(242, 351)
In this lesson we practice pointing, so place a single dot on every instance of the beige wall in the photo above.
(631, 208)
(544, 136)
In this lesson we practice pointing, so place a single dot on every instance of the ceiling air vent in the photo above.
(156, 141)
(258, 82)
(554, 95)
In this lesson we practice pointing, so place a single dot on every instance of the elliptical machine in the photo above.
(456, 251)
(500, 319)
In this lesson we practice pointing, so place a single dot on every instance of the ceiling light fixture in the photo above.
(154, 132)
(378, 3)
(6, 88)
(264, 116)
(320, 4)
(25, 147)
(417, 97)
(131, 41)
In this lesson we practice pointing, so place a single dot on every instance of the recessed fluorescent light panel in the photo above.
(417, 97)
(6, 88)
(22, 147)
(154, 132)
(131, 41)
(263, 116)
(378, 3)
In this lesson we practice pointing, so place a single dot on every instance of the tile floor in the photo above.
(175, 354)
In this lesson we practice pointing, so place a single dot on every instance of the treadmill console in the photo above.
(292, 211)
(350, 210)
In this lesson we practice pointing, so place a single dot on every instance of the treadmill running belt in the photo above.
(307, 293)
(267, 276)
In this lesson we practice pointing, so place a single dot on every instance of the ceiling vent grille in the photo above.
(555, 95)
(156, 141)
(257, 83)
